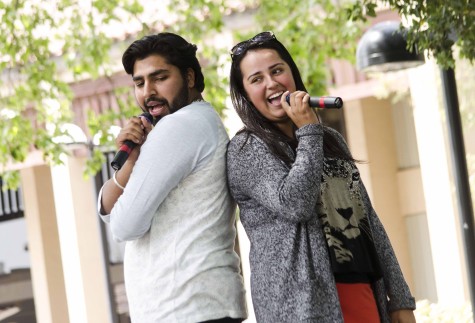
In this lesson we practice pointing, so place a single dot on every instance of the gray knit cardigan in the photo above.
(291, 276)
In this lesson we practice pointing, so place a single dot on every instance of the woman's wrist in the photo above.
(310, 129)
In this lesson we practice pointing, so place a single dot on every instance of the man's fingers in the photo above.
(146, 124)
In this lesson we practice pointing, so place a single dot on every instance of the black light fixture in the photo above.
(383, 48)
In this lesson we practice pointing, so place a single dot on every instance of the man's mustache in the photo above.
(155, 99)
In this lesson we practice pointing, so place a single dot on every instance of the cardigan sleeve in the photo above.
(257, 176)
(398, 293)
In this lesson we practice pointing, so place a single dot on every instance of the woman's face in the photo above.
(266, 76)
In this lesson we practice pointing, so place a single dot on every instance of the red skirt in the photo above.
(358, 303)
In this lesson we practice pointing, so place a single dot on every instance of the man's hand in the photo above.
(136, 130)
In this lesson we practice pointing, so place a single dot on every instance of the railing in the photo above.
(11, 203)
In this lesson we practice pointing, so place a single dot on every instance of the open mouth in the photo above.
(156, 107)
(274, 99)
(156, 110)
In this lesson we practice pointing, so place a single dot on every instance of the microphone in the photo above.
(323, 102)
(124, 150)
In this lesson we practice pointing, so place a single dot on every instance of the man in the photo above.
(170, 199)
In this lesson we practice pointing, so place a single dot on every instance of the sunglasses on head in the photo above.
(258, 39)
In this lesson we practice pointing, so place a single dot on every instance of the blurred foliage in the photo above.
(48, 45)
(434, 25)
(45, 45)
(101, 126)
(313, 32)
(427, 312)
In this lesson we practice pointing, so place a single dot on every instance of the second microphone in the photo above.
(322, 102)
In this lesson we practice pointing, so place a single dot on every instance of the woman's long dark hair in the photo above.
(255, 123)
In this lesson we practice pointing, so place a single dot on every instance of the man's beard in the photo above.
(180, 100)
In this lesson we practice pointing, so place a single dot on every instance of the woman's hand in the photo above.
(299, 109)
(403, 316)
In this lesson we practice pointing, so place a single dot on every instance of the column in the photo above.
(43, 244)
(85, 271)
(438, 189)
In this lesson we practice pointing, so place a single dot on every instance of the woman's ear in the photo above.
(190, 78)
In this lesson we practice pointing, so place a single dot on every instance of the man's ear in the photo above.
(190, 78)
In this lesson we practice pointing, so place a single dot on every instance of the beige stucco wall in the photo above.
(371, 138)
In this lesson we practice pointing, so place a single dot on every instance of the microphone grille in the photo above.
(148, 116)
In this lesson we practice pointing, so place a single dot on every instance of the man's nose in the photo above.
(149, 89)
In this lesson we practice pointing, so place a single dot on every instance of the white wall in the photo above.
(13, 241)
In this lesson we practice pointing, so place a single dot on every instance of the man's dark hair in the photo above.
(175, 49)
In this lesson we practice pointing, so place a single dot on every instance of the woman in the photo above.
(318, 250)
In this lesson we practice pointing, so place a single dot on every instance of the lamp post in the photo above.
(383, 48)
